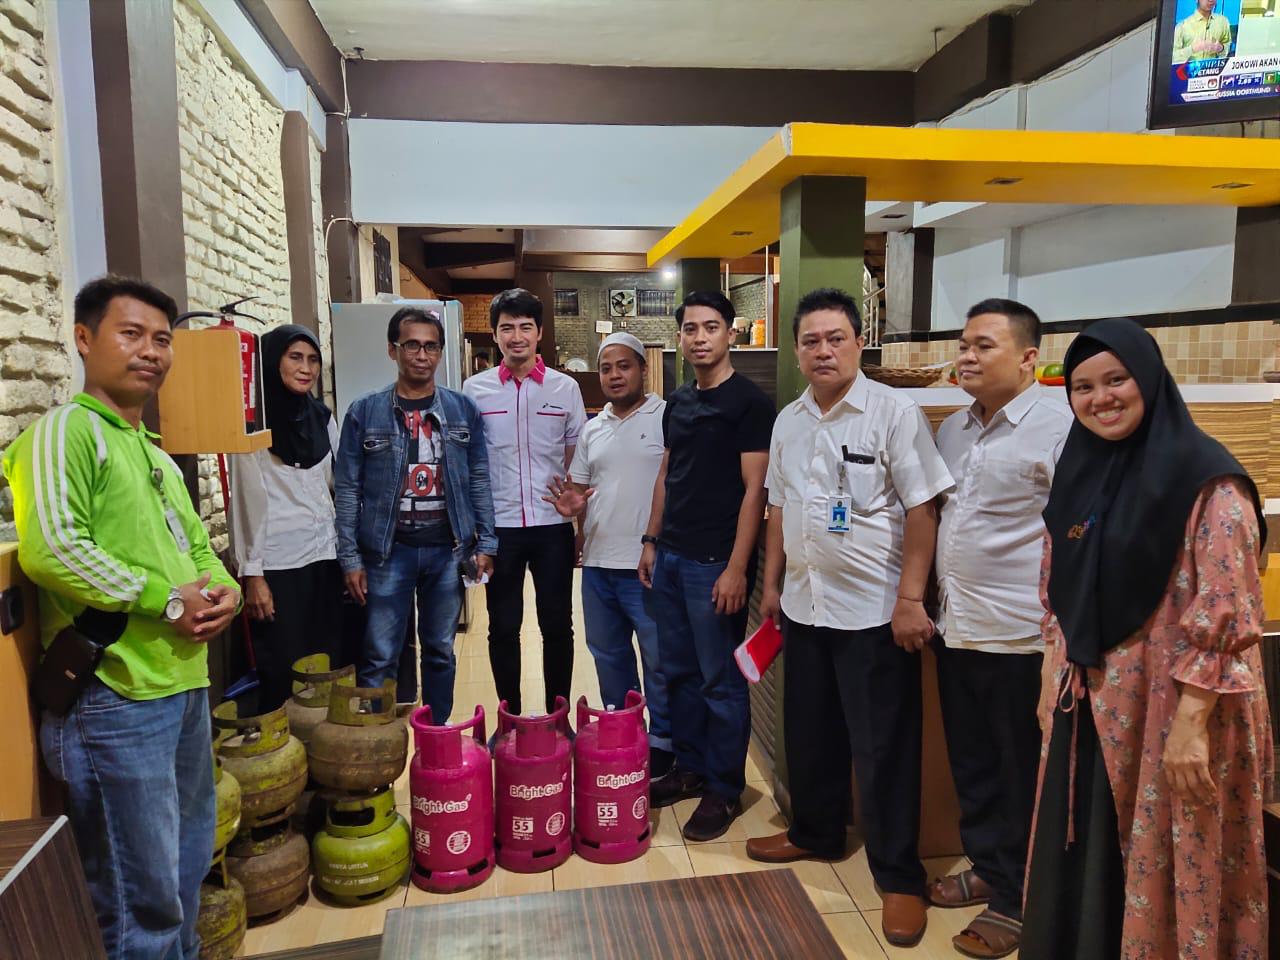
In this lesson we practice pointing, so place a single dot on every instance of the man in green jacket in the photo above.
(105, 522)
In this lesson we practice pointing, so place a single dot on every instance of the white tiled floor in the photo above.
(843, 892)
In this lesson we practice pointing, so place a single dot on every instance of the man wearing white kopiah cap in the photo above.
(615, 466)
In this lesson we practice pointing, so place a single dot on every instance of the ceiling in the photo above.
(789, 34)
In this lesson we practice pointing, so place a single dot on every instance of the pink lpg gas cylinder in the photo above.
(611, 783)
(531, 766)
(451, 784)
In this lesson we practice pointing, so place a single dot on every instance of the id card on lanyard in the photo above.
(171, 519)
(838, 505)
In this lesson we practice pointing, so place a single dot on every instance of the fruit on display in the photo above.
(1051, 374)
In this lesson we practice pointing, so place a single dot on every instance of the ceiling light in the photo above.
(1231, 185)
(668, 274)
(741, 233)
(1003, 181)
(892, 216)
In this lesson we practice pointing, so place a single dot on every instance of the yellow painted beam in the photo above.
(979, 166)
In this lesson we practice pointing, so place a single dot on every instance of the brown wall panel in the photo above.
(558, 93)
(970, 66)
(1049, 33)
(294, 31)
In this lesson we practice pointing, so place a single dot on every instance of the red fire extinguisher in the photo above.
(250, 361)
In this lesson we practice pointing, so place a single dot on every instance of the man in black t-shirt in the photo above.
(699, 560)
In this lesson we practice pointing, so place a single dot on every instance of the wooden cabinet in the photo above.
(201, 410)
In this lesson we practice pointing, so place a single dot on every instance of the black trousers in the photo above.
(993, 739)
(852, 704)
(308, 619)
(1075, 892)
(547, 552)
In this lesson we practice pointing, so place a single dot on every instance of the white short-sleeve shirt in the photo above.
(991, 533)
(849, 581)
(621, 460)
(528, 426)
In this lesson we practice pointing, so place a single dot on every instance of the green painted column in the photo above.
(823, 237)
(694, 273)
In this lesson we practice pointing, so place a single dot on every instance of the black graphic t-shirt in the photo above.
(423, 518)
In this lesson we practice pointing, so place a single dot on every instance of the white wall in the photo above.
(539, 175)
(1085, 262)
(968, 266)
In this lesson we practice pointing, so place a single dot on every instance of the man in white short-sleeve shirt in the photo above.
(532, 418)
(853, 479)
(610, 492)
(1002, 450)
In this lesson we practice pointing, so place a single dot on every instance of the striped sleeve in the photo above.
(52, 478)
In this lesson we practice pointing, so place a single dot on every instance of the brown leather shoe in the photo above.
(778, 849)
(903, 919)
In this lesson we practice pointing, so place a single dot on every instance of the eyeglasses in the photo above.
(430, 347)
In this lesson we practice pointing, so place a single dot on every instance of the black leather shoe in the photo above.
(677, 785)
(712, 819)
(660, 763)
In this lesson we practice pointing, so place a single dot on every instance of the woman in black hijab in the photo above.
(282, 518)
(1148, 837)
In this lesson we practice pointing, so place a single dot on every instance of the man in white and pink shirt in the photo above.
(532, 417)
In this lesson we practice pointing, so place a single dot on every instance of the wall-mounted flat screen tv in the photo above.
(1216, 61)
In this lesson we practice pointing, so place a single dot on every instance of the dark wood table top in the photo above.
(746, 916)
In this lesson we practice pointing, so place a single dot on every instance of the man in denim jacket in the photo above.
(413, 503)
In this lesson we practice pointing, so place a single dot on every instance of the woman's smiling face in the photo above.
(1105, 397)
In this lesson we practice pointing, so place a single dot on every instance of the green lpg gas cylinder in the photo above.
(269, 764)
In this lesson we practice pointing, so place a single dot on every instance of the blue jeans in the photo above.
(613, 605)
(139, 775)
(432, 574)
(710, 707)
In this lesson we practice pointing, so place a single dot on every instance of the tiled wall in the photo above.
(577, 337)
(1215, 353)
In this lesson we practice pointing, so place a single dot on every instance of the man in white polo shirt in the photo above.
(532, 417)
(610, 491)
(853, 479)
(1001, 450)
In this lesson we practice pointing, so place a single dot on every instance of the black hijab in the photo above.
(1118, 510)
(299, 425)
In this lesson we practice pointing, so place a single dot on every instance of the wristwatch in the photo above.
(647, 539)
(174, 607)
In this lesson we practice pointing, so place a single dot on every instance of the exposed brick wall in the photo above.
(322, 274)
(232, 200)
(475, 312)
(747, 295)
(35, 366)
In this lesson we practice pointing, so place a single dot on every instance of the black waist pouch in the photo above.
(69, 663)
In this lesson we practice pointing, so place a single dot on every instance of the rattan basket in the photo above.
(902, 376)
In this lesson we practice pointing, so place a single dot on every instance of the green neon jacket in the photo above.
(92, 532)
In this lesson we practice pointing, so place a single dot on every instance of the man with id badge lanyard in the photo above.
(853, 479)
(131, 591)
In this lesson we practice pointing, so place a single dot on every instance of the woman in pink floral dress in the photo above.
(1157, 752)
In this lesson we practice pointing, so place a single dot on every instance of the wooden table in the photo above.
(747, 915)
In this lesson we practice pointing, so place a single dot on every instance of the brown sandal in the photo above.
(963, 889)
(989, 935)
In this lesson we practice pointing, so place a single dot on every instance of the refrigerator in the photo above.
(360, 361)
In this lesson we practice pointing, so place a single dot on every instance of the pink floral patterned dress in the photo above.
(1195, 875)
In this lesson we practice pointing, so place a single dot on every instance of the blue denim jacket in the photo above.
(368, 477)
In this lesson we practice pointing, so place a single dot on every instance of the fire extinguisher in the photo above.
(250, 359)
